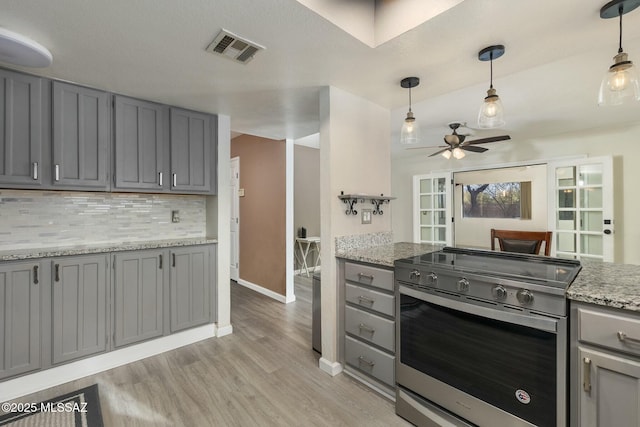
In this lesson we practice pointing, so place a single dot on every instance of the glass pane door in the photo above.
(582, 208)
(432, 201)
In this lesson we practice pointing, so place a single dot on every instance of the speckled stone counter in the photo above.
(386, 254)
(7, 255)
(607, 284)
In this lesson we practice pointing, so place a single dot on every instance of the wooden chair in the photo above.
(527, 242)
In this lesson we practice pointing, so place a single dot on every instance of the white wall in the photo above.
(354, 158)
(623, 143)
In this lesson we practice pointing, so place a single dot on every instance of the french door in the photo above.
(581, 208)
(432, 198)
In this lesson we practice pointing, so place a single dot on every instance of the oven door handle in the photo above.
(532, 321)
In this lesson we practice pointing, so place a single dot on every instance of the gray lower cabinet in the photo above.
(81, 123)
(369, 324)
(138, 295)
(605, 385)
(79, 307)
(141, 129)
(21, 139)
(20, 291)
(192, 152)
(191, 284)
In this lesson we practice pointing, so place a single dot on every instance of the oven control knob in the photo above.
(415, 274)
(433, 278)
(499, 292)
(463, 285)
(524, 296)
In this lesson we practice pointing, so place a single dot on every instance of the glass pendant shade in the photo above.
(458, 153)
(620, 83)
(491, 113)
(446, 154)
(410, 130)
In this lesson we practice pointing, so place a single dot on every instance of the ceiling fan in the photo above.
(456, 143)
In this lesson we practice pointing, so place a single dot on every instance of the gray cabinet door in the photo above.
(140, 143)
(20, 130)
(191, 151)
(138, 303)
(79, 307)
(191, 285)
(19, 318)
(80, 137)
(609, 389)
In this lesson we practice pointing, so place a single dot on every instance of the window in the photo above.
(497, 200)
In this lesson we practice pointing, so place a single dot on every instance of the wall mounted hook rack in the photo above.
(352, 199)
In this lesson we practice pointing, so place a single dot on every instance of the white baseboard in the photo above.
(224, 330)
(47, 378)
(331, 368)
(264, 291)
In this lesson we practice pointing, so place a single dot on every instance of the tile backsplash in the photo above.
(43, 219)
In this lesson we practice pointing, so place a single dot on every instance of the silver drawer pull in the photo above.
(57, 172)
(364, 361)
(367, 328)
(624, 338)
(35, 170)
(366, 276)
(586, 374)
(160, 179)
(365, 300)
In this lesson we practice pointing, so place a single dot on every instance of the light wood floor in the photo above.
(264, 374)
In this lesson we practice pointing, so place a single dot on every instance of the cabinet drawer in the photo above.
(367, 298)
(370, 327)
(618, 332)
(370, 360)
(370, 276)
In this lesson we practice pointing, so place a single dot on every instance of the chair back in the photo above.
(527, 242)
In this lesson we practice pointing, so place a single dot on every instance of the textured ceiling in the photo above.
(556, 54)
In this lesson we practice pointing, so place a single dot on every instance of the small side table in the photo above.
(308, 245)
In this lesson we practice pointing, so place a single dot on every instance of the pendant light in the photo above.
(410, 129)
(491, 113)
(620, 83)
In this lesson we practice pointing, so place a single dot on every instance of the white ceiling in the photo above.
(556, 54)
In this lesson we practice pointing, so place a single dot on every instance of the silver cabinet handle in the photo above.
(35, 275)
(57, 172)
(160, 179)
(173, 260)
(57, 272)
(366, 276)
(362, 299)
(35, 170)
(586, 374)
(624, 338)
(364, 361)
(367, 328)
(160, 262)
(175, 179)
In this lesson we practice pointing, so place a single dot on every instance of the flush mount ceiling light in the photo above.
(410, 129)
(17, 49)
(620, 83)
(491, 113)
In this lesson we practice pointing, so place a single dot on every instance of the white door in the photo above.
(235, 218)
(432, 199)
(581, 208)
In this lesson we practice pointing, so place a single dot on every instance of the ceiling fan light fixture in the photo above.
(410, 132)
(458, 153)
(491, 114)
(446, 154)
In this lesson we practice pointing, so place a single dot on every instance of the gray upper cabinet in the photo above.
(192, 152)
(79, 306)
(139, 295)
(190, 286)
(81, 118)
(140, 143)
(20, 130)
(19, 318)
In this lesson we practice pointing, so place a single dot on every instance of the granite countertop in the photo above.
(607, 284)
(386, 254)
(9, 255)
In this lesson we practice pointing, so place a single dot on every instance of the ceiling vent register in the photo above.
(233, 47)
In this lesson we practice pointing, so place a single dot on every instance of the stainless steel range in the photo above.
(482, 338)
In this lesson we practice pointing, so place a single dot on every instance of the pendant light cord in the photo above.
(620, 11)
(409, 98)
(491, 66)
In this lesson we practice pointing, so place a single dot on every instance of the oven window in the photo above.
(491, 360)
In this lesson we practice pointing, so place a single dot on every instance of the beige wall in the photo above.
(621, 142)
(306, 193)
(262, 211)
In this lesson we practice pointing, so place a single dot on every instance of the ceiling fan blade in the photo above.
(423, 148)
(438, 152)
(490, 139)
(474, 148)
